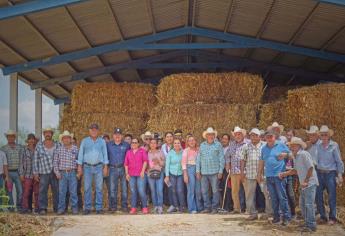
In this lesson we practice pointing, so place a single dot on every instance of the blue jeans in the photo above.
(194, 196)
(90, 173)
(177, 191)
(206, 180)
(117, 175)
(156, 187)
(327, 181)
(291, 194)
(45, 181)
(15, 179)
(68, 181)
(277, 190)
(307, 206)
(138, 185)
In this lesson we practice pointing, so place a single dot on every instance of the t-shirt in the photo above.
(273, 166)
(3, 161)
(303, 161)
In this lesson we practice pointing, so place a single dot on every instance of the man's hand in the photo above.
(198, 175)
(340, 180)
(185, 178)
(37, 178)
(282, 156)
(167, 180)
(22, 178)
(80, 170)
(58, 176)
(304, 184)
(259, 179)
(282, 175)
(220, 175)
(7, 179)
(105, 171)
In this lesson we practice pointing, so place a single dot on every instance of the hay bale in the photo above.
(195, 118)
(66, 122)
(210, 88)
(271, 112)
(129, 98)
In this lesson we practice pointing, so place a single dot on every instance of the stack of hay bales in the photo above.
(271, 112)
(192, 102)
(110, 105)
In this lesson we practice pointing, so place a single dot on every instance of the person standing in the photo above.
(93, 163)
(313, 142)
(278, 130)
(146, 137)
(166, 147)
(3, 172)
(43, 171)
(14, 154)
(209, 169)
(228, 203)
(128, 138)
(117, 149)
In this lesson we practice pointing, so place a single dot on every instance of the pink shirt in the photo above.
(135, 162)
(159, 156)
(188, 157)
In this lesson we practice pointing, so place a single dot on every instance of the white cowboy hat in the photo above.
(255, 131)
(313, 130)
(48, 129)
(276, 125)
(10, 132)
(325, 129)
(209, 130)
(65, 134)
(299, 141)
(239, 130)
(147, 134)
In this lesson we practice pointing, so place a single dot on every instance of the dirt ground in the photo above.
(177, 224)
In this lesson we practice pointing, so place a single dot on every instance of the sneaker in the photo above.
(133, 211)
(214, 211)
(206, 211)
(252, 217)
(145, 210)
(322, 221)
(160, 210)
(285, 222)
(332, 222)
(99, 212)
(235, 212)
(171, 209)
(86, 212)
(276, 221)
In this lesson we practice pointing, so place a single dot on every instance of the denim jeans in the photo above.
(277, 190)
(45, 181)
(93, 173)
(327, 181)
(291, 194)
(194, 195)
(80, 196)
(268, 201)
(307, 206)
(15, 179)
(68, 181)
(156, 187)
(206, 180)
(117, 175)
(138, 185)
(177, 191)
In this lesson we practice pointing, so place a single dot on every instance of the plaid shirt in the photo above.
(233, 156)
(25, 168)
(65, 159)
(13, 156)
(43, 162)
(210, 159)
(251, 155)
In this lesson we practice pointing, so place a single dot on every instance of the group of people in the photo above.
(236, 173)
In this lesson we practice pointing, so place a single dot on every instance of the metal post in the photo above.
(38, 112)
(61, 107)
(14, 102)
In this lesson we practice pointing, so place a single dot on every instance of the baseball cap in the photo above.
(117, 131)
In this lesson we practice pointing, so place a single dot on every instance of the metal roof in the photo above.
(287, 41)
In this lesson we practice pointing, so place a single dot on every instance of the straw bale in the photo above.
(271, 112)
(66, 122)
(187, 88)
(129, 98)
(195, 118)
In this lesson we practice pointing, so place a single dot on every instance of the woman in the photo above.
(166, 147)
(135, 166)
(156, 175)
(188, 163)
(173, 172)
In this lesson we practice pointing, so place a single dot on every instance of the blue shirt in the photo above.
(117, 152)
(210, 159)
(273, 166)
(93, 152)
(173, 163)
(329, 158)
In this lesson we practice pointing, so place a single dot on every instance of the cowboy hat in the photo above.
(10, 132)
(276, 125)
(239, 130)
(299, 141)
(209, 130)
(313, 130)
(325, 129)
(48, 129)
(65, 134)
(147, 134)
(255, 131)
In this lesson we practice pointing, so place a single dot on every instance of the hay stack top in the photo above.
(210, 88)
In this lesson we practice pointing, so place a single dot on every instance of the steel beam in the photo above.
(38, 112)
(13, 102)
(336, 2)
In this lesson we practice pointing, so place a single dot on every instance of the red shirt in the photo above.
(135, 161)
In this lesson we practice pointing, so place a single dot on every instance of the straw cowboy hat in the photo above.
(298, 141)
(209, 130)
(239, 130)
(325, 129)
(10, 132)
(147, 134)
(255, 131)
(313, 130)
(276, 125)
(48, 129)
(65, 134)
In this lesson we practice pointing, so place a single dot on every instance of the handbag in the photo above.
(154, 174)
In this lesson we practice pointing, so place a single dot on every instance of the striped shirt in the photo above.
(233, 156)
(13, 155)
(65, 159)
(43, 161)
(251, 154)
(27, 161)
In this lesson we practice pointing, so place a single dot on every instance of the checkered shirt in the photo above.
(13, 156)
(26, 165)
(43, 162)
(251, 155)
(65, 158)
(233, 156)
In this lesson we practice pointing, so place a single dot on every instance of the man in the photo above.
(106, 138)
(313, 142)
(3, 173)
(307, 176)
(250, 156)
(128, 138)
(106, 180)
(178, 134)
(116, 153)
(43, 171)
(93, 162)
(278, 130)
(233, 164)
(228, 203)
(330, 169)
(14, 154)
(65, 169)
(209, 168)
(272, 159)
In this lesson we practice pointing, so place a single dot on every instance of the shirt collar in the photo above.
(259, 144)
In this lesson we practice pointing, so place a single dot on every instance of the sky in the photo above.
(26, 108)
